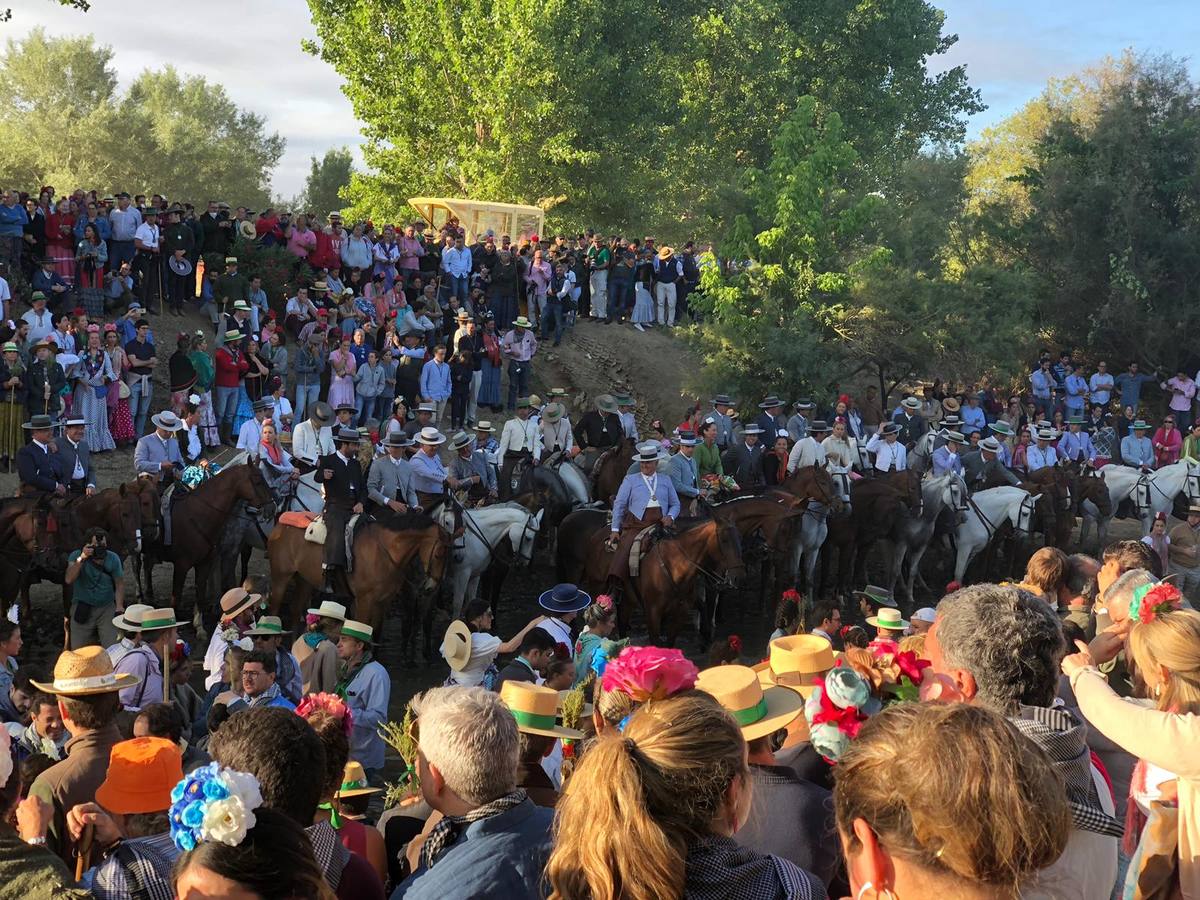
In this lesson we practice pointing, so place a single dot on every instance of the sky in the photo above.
(252, 47)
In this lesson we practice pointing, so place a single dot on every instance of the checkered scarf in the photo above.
(446, 832)
(1064, 738)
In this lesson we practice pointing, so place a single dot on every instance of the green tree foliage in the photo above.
(1103, 211)
(328, 179)
(621, 114)
(66, 124)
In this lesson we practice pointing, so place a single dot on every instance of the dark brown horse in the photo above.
(383, 552)
(197, 521)
(769, 520)
(667, 575)
(611, 469)
(876, 504)
(1054, 514)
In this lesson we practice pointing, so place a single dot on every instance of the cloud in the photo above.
(251, 47)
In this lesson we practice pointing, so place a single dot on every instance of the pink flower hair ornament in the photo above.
(1152, 600)
(331, 703)
(605, 602)
(649, 673)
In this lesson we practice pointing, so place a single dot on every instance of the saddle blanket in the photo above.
(300, 519)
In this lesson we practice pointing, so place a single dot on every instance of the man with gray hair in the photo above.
(492, 841)
(1000, 647)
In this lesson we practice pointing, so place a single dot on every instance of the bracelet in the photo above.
(36, 841)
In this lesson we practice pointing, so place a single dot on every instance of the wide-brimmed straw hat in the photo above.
(86, 671)
(759, 712)
(910, 403)
(951, 405)
(142, 772)
(955, 437)
(880, 595)
(485, 426)
(236, 600)
(131, 618)
(795, 662)
(535, 707)
(430, 436)
(354, 782)
(564, 598)
(553, 412)
(329, 610)
(460, 440)
(166, 420)
(456, 645)
(889, 619)
(268, 626)
(522, 322)
(158, 620)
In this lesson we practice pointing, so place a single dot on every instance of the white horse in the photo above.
(306, 495)
(920, 457)
(986, 512)
(576, 482)
(1152, 493)
(485, 532)
(946, 492)
(810, 536)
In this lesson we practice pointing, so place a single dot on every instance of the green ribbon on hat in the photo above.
(750, 714)
(534, 720)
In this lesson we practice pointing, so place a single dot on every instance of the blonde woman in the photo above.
(841, 453)
(1164, 732)
(650, 813)
(911, 780)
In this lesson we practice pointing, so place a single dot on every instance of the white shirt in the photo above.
(888, 456)
(250, 437)
(147, 234)
(283, 407)
(308, 445)
(519, 436)
(40, 324)
(807, 452)
(560, 631)
(5, 292)
(457, 262)
(78, 472)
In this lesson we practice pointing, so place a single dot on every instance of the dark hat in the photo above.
(722, 400)
(880, 596)
(261, 405)
(564, 598)
(397, 439)
(803, 403)
(149, 211)
(819, 425)
(321, 411)
(770, 402)
(891, 428)
(38, 423)
(347, 436)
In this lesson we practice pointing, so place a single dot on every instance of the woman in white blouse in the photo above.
(841, 453)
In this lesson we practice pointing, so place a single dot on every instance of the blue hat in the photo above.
(687, 439)
(564, 598)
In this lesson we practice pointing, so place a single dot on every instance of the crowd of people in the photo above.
(560, 762)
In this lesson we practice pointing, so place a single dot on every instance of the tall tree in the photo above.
(620, 113)
(66, 124)
(327, 181)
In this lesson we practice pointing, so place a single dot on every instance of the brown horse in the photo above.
(667, 575)
(197, 521)
(383, 551)
(771, 519)
(876, 504)
(611, 469)
(1054, 514)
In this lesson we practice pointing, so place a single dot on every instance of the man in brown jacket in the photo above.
(1184, 554)
(88, 701)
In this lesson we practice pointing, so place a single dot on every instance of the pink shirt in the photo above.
(539, 274)
(1186, 388)
(301, 243)
(410, 250)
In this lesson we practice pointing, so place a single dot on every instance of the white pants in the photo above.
(599, 286)
(440, 407)
(664, 293)
(473, 403)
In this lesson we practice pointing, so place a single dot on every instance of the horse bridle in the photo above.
(724, 580)
(1025, 513)
(492, 548)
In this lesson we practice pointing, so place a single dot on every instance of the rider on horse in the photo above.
(681, 469)
(157, 454)
(645, 498)
(390, 481)
(597, 431)
(518, 444)
(345, 490)
(40, 469)
(470, 471)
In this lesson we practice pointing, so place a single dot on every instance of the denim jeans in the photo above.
(519, 374)
(618, 296)
(305, 395)
(457, 286)
(140, 396)
(553, 313)
(225, 401)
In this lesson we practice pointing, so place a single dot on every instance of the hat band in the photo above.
(158, 623)
(357, 635)
(796, 679)
(352, 786)
(534, 720)
(274, 629)
(750, 714)
(83, 684)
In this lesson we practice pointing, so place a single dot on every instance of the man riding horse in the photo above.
(345, 491)
(470, 472)
(389, 480)
(598, 430)
(40, 469)
(644, 499)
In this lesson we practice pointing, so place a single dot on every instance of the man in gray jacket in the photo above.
(389, 482)
(681, 468)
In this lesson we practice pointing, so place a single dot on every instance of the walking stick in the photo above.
(166, 674)
(83, 852)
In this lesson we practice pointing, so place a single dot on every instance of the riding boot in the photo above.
(330, 574)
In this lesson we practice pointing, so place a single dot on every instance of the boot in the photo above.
(329, 573)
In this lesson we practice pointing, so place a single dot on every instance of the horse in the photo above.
(667, 574)
(506, 531)
(198, 520)
(1151, 493)
(912, 535)
(383, 550)
(826, 495)
(986, 512)
(920, 457)
(1055, 512)
(1088, 487)
(876, 505)
(610, 471)
(573, 479)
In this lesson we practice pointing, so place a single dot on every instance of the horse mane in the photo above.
(408, 521)
(688, 523)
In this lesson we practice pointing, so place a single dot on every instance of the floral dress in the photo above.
(92, 375)
(120, 422)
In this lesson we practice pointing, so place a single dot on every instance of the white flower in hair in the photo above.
(243, 785)
(226, 821)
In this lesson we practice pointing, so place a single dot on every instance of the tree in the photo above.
(66, 124)
(328, 179)
(1102, 212)
(621, 115)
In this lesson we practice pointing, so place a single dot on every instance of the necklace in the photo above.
(652, 487)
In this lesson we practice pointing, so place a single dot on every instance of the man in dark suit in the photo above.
(345, 492)
(744, 459)
(38, 466)
(536, 653)
(44, 381)
(75, 458)
(771, 420)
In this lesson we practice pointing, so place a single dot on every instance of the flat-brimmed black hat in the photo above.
(819, 425)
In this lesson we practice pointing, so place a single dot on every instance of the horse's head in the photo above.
(433, 553)
(255, 491)
(524, 535)
(145, 490)
(823, 489)
(729, 552)
(1022, 514)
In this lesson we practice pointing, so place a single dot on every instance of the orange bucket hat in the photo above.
(141, 774)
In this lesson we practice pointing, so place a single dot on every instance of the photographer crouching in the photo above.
(98, 581)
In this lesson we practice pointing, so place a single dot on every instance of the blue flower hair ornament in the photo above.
(213, 804)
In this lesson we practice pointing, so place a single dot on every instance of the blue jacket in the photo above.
(103, 229)
(633, 496)
(501, 857)
(435, 380)
(682, 470)
(13, 219)
(38, 468)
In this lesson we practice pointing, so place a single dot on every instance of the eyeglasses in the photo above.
(252, 673)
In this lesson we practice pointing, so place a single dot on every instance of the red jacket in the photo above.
(323, 255)
(229, 369)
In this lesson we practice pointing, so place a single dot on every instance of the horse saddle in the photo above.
(642, 542)
(352, 526)
(312, 523)
(604, 454)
